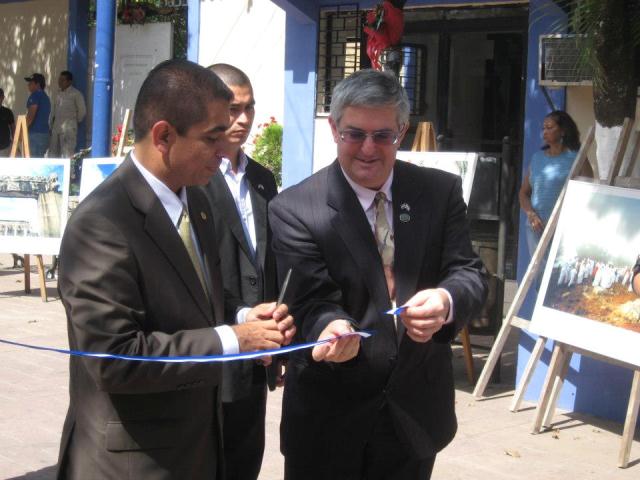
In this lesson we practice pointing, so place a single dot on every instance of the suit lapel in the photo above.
(229, 211)
(259, 206)
(202, 223)
(351, 224)
(411, 220)
(163, 233)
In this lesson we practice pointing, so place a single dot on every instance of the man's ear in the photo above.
(163, 136)
(334, 130)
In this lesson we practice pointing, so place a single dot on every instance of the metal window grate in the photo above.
(339, 49)
(407, 61)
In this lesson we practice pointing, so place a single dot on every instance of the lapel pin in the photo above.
(203, 215)
(405, 217)
(260, 186)
(405, 206)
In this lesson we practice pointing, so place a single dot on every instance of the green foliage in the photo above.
(268, 148)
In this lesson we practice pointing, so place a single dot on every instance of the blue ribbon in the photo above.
(191, 359)
(397, 310)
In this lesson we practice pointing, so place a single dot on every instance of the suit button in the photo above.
(253, 281)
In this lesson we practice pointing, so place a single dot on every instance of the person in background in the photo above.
(238, 194)
(7, 126)
(548, 173)
(38, 110)
(635, 279)
(67, 112)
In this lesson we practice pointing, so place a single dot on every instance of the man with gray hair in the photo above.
(364, 234)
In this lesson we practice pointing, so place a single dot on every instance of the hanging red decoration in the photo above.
(384, 26)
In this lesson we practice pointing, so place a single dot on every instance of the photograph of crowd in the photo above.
(586, 291)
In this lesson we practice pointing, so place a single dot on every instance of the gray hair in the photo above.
(369, 88)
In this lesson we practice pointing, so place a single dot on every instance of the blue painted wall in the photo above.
(193, 29)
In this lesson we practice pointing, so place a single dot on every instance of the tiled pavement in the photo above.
(492, 443)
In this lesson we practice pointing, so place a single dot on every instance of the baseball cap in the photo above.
(36, 77)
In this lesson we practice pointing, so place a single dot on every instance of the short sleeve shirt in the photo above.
(547, 175)
(40, 124)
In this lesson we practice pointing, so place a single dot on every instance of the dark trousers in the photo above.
(243, 433)
(383, 458)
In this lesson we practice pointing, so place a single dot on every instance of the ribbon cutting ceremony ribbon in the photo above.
(194, 359)
(397, 310)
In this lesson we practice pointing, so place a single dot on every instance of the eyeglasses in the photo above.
(380, 137)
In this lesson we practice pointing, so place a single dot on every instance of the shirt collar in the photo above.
(172, 203)
(225, 164)
(366, 196)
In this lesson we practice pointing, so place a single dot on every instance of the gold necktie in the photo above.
(384, 239)
(185, 234)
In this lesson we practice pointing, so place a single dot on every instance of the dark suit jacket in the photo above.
(319, 228)
(128, 287)
(251, 279)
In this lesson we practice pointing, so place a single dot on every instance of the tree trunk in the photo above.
(615, 81)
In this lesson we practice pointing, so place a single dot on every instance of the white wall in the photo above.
(33, 38)
(579, 104)
(250, 36)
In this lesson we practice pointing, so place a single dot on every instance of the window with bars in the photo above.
(340, 49)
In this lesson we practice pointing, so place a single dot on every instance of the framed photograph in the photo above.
(34, 197)
(585, 299)
(94, 171)
(458, 163)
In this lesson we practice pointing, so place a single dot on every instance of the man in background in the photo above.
(38, 110)
(7, 126)
(239, 193)
(67, 112)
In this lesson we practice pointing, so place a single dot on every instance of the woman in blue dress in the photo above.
(548, 172)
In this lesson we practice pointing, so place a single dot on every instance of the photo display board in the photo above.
(34, 198)
(95, 171)
(585, 298)
(462, 164)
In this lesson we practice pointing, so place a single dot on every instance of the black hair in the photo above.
(67, 74)
(230, 75)
(179, 92)
(570, 134)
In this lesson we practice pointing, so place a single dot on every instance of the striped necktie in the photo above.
(185, 234)
(384, 239)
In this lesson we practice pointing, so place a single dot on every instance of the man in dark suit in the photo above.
(140, 275)
(364, 233)
(238, 194)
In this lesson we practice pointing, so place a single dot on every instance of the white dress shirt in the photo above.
(174, 204)
(239, 187)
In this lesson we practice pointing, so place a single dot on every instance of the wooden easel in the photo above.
(21, 137)
(123, 134)
(561, 353)
(425, 141)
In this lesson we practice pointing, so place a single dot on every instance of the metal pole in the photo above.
(102, 89)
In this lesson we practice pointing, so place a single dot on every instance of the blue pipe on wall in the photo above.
(103, 84)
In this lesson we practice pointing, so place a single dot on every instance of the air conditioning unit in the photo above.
(561, 61)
